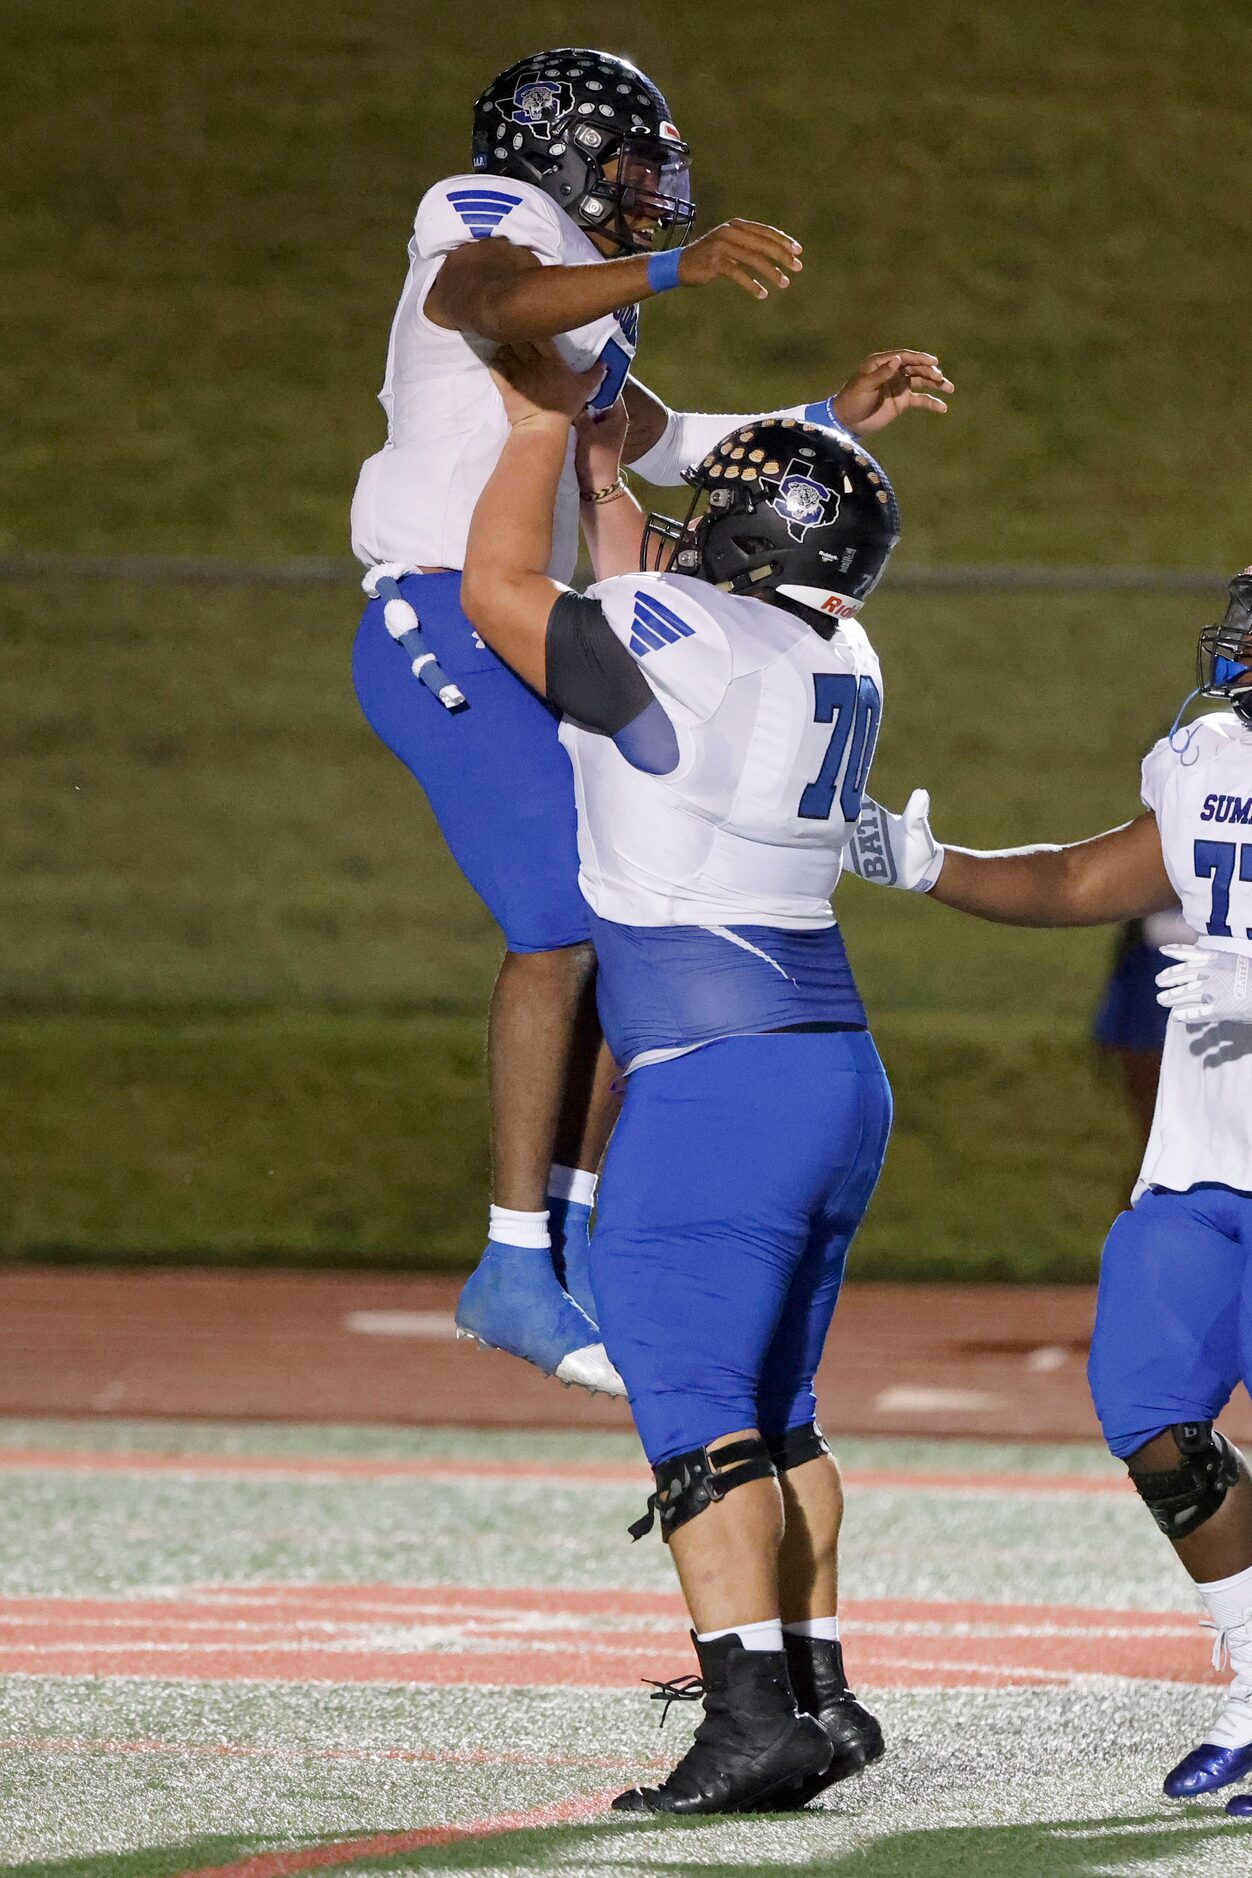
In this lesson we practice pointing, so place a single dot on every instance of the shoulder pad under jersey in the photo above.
(679, 643)
(472, 208)
(1186, 746)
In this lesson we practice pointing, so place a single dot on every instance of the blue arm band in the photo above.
(663, 270)
(823, 412)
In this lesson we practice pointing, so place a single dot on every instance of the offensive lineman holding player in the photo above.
(721, 717)
(1173, 1329)
(575, 162)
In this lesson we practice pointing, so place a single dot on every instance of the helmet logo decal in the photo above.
(802, 501)
(539, 104)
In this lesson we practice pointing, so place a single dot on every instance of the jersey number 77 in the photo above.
(1215, 861)
(853, 707)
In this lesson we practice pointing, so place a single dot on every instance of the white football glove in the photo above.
(896, 850)
(1206, 987)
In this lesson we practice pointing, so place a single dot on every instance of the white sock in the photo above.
(826, 1627)
(1229, 1604)
(573, 1183)
(519, 1229)
(766, 1635)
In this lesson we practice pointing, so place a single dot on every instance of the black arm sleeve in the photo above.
(590, 675)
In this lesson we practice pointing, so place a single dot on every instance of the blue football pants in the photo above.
(495, 774)
(1173, 1329)
(734, 1182)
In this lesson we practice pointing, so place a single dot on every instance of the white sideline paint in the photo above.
(1049, 1357)
(907, 1400)
(434, 1326)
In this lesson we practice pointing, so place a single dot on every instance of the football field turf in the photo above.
(267, 1650)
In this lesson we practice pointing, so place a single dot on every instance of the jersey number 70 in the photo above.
(854, 708)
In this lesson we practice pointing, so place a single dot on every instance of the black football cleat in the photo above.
(752, 1742)
(821, 1689)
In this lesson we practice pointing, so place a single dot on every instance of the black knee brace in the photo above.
(1181, 1499)
(692, 1481)
(797, 1446)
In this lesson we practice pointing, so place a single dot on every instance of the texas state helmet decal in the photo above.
(538, 104)
(803, 501)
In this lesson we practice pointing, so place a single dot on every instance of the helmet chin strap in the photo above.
(1181, 749)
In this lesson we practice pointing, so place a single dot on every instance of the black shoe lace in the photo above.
(681, 1689)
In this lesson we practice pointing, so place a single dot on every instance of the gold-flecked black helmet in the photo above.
(797, 513)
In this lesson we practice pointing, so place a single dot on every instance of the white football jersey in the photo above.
(1202, 799)
(445, 420)
(775, 730)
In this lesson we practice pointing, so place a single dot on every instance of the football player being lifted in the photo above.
(577, 208)
(720, 712)
(1173, 1329)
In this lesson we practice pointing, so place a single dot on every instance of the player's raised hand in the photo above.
(753, 255)
(887, 383)
(534, 381)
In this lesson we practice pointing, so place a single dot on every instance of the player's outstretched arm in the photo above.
(501, 290)
(1115, 876)
(664, 443)
(506, 590)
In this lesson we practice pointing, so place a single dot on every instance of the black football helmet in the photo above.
(797, 513)
(1224, 654)
(559, 119)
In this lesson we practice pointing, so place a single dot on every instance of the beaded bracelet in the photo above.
(619, 487)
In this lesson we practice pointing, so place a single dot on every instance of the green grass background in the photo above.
(241, 984)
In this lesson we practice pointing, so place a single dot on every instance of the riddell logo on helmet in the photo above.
(670, 133)
(841, 608)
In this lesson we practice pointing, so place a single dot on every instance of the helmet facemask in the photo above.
(645, 205)
(1224, 653)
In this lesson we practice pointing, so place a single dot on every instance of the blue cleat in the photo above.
(1207, 1768)
(1240, 1807)
(511, 1301)
(570, 1226)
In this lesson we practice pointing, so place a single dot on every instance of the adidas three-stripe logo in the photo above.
(655, 626)
(482, 210)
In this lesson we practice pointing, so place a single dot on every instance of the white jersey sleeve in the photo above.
(680, 646)
(475, 208)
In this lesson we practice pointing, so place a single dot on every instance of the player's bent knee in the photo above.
(796, 1446)
(689, 1483)
(1181, 1499)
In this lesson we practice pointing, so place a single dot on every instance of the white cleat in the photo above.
(590, 1368)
